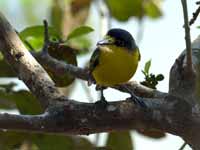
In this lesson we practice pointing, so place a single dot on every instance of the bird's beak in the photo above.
(105, 41)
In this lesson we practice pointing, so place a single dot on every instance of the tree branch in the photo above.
(25, 66)
(62, 68)
(86, 118)
(195, 15)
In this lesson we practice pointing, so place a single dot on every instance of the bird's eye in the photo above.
(119, 42)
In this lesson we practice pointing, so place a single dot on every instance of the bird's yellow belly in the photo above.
(115, 67)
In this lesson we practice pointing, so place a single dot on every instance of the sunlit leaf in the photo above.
(57, 15)
(35, 35)
(82, 44)
(152, 8)
(134, 8)
(147, 66)
(119, 141)
(37, 31)
(79, 32)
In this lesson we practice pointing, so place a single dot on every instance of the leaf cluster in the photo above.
(151, 80)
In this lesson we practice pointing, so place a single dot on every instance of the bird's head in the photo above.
(120, 38)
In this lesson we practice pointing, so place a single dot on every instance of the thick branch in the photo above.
(73, 117)
(25, 66)
(86, 118)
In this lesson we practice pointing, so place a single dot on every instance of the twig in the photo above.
(195, 15)
(187, 37)
(46, 37)
(60, 67)
(29, 45)
(183, 146)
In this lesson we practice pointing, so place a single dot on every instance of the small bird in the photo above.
(115, 60)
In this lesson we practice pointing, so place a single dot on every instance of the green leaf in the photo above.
(152, 9)
(79, 32)
(134, 8)
(37, 31)
(145, 74)
(82, 44)
(83, 144)
(61, 142)
(6, 70)
(119, 141)
(24, 100)
(1, 56)
(57, 14)
(147, 66)
(53, 142)
(10, 140)
(159, 77)
(35, 35)
(123, 11)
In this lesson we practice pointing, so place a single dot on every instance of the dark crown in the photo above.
(122, 38)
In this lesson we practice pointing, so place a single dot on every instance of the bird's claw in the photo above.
(137, 101)
(102, 103)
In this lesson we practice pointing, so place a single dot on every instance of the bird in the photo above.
(114, 61)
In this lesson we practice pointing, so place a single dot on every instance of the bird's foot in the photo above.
(102, 103)
(137, 101)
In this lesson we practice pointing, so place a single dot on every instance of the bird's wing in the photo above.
(94, 61)
(139, 56)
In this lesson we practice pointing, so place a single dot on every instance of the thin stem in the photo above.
(29, 45)
(187, 36)
(195, 15)
(183, 146)
(46, 37)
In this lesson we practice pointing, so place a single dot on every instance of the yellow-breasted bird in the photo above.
(115, 60)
